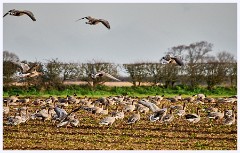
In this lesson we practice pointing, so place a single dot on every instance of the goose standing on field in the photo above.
(129, 108)
(119, 114)
(190, 99)
(201, 96)
(158, 115)
(15, 120)
(43, 114)
(194, 118)
(229, 120)
(142, 109)
(93, 21)
(216, 115)
(14, 12)
(70, 120)
(229, 112)
(6, 108)
(157, 112)
(107, 120)
(168, 117)
(60, 113)
(134, 118)
(102, 74)
(212, 108)
(12, 99)
(182, 112)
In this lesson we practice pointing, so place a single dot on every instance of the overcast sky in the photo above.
(139, 32)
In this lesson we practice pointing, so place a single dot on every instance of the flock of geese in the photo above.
(18, 111)
(91, 20)
(32, 72)
(54, 109)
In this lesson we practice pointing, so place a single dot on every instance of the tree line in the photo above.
(200, 68)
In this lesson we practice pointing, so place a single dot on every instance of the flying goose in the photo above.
(27, 71)
(31, 75)
(14, 12)
(194, 118)
(103, 74)
(93, 21)
(172, 60)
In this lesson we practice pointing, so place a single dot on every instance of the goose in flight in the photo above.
(93, 21)
(14, 12)
(173, 60)
(28, 71)
(103, 74)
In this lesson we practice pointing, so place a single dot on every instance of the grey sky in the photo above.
(139, 32)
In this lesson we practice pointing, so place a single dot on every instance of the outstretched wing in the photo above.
(178, 61)
(150, 105)
(6, 14)
(33, 68)
(30, 14)
(105, 22)
(74, 110)
(109, 76)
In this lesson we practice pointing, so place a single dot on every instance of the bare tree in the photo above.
(177, 50)
(170, 74)
(215, 73)
(231, 66)
(9, 68)
(71, 71)
(52, 73)
(9, 56)
(225, 57)
(137, 71)
(155, 72)
(197, 51)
